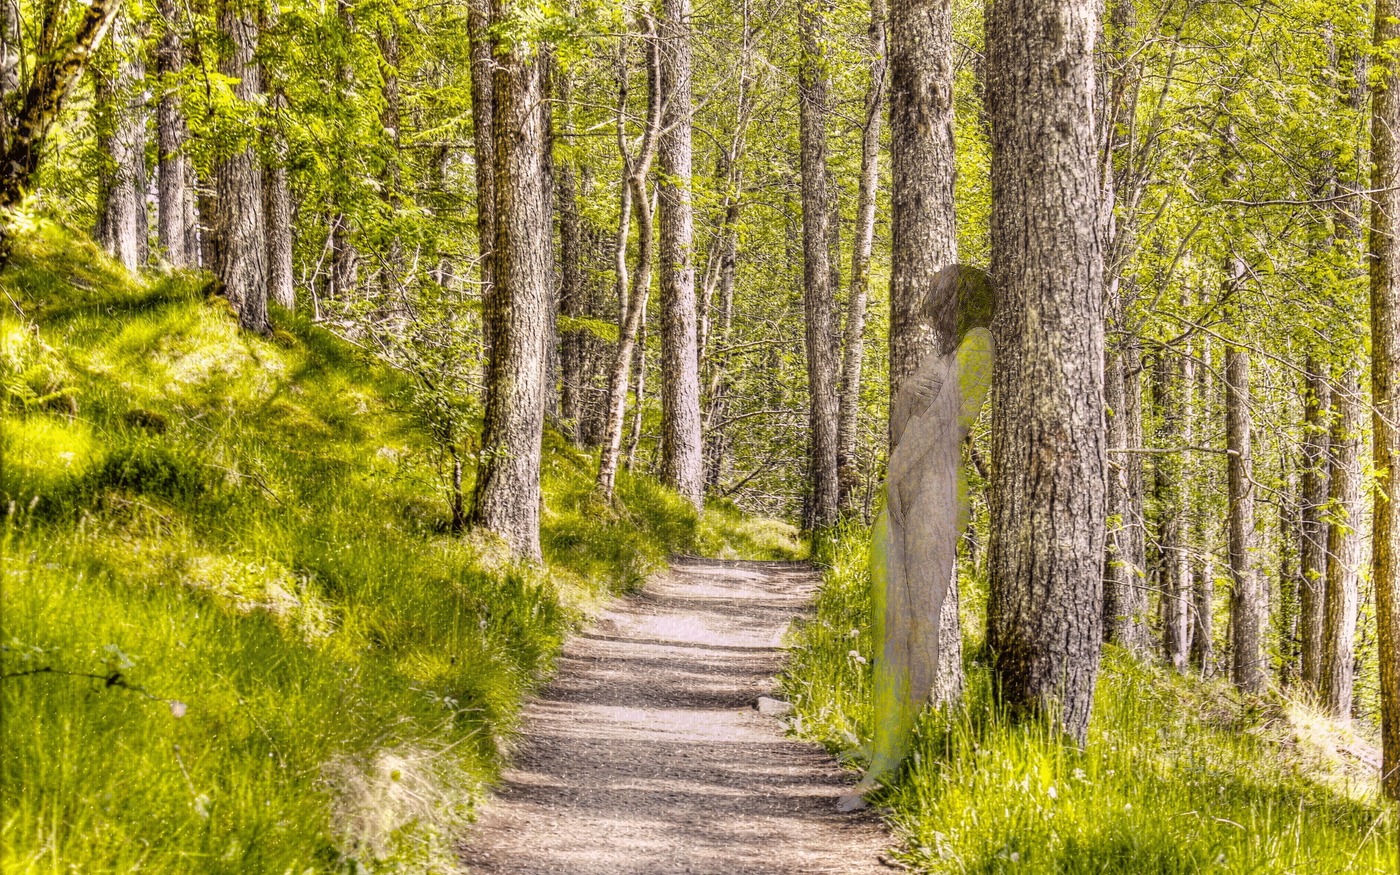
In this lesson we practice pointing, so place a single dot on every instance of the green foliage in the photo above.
(1178, 776)
(256, 648)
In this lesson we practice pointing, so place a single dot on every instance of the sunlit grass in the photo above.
(1178, 776)
(264, 650)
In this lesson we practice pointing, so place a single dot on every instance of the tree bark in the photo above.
(1385, 390)
(277, 198)
(923, 233)
(573, 295)
(1202, 570)
(1174, 376)
(682, 463)
(632, 286)
(239, 221)
(1312, 530)
(1125, 567)
(1045, 554)
(484, 157)
(818, 296)
(344, 255)
(1247, 607)
(121, 210)
(507, 498)
(853, 343)
(1343, 550)
(175, 198)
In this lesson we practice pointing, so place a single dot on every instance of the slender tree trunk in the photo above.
(1125, 572)
(682, 464)
(1172, 383)
(239, 221)
(1312, 529)
(507, 498)
(1045, 555)
(484, 142)
(174, 199)
(819, 300)
(1202, 570)
(1343, 550)
(923, 234)
(121, 212)
(632, 286)
(573, 295)
(277, 196)
(1247, 608)
(853, 344)
(11, 46)
(639, 395)
(1385, 391)
(344, 255)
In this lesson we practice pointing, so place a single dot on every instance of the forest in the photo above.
(376, 373)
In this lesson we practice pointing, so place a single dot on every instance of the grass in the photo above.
(236, 635)
(1178, 776)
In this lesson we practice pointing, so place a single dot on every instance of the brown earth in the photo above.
(646, 754)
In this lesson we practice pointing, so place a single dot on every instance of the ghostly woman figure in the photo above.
(913, 551)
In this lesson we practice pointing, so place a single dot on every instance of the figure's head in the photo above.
(961, 299)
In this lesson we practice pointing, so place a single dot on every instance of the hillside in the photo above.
(237, 636)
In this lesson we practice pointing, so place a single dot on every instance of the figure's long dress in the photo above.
(914, 543)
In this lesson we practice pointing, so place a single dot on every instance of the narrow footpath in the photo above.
(646, 755)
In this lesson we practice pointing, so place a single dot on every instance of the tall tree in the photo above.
(507, 499)
(818, 296)
(484, 157)
(1045, 619)
(177, 231)
(1343, 550)
(1385, 389)
(853, 341)
(121, 138)
(1247, 607)
(923, 233)
(633, 286)
(682, 463)
(1312, 528)
(1175, 374)
(241, 267)
(277, 192)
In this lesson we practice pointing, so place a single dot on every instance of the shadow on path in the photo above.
(646, 756)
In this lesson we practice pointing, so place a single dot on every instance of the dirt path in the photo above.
(646, 755)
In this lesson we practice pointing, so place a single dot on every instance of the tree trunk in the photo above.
(1125, 568)
(344, 255)
(1385, 391)
(818, 296)
(632, 286)
(1312, 529)
(1173, 379)
(1343, 550)
(1045, 555)
(923, 233)
(1247, 608)
(507, 499)
(682, 464)
(484, 142)
(853, 344)
(121, 210)
(50, 85)
(277, 197)
(175, 198)
(1202, 570)
(239, 221)
(573, 295)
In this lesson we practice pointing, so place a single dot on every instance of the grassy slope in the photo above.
(1179, 776)
(297, 671)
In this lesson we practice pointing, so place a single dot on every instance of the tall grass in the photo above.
(236, 635)
(1178, 775)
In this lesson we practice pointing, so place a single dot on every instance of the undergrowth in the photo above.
(1178, 776)
(237, 635)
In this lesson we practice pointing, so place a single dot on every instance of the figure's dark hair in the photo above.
(961, 299)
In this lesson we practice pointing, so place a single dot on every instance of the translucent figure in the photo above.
(914, 541)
